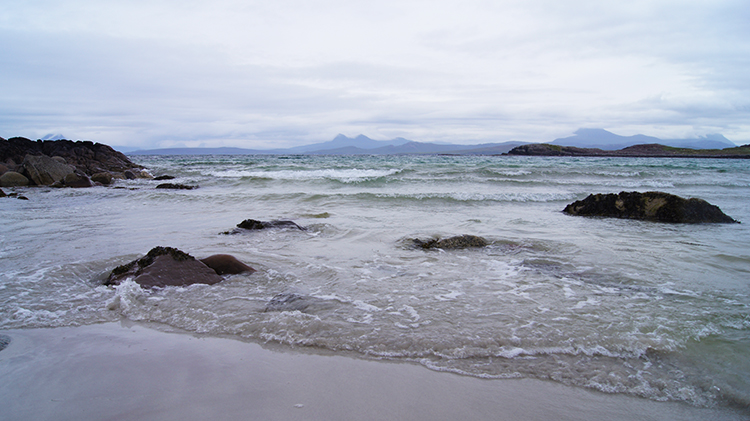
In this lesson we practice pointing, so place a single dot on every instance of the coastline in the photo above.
(130, 371)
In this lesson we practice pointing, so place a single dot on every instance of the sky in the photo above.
(282, 73)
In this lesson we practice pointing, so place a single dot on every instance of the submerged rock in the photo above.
(288, 302)
(252, 224)
(649, 206)
(165, 266)
(224, 264)
(4, 341)
(164, 178)
(451, 243)
(175, 186)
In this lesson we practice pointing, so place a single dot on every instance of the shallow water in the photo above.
(641, 308)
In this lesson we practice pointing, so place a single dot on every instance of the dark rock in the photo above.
(2, 193)
(3, 169)
(163, 177)
(22, 197)
(45, 171)
(252, 224)
(90, 158)
(13, 179)
(226, 264)
(649, 206)
(103, 178)
(165, 266)
(175, 186)
(130, 175)
(4, 341)
(77, 179)
(452, 243)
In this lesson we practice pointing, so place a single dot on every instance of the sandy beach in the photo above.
(123, 371)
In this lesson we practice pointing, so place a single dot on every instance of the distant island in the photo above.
(653, 150)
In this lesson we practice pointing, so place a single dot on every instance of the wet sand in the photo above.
(130, 372)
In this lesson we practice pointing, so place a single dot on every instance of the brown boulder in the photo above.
(13, 179)
(104, 178)
(649, 206)
(45, 171)
(76, 179)
(165, 266)
(224, 264)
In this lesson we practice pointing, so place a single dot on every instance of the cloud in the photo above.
(272, 74)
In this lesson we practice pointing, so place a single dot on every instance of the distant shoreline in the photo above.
(636, 151)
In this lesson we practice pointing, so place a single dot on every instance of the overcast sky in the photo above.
(281, 73)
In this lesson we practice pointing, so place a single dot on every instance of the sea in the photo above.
(654, 310)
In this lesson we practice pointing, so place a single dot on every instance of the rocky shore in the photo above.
(63, 163)
(637, 151)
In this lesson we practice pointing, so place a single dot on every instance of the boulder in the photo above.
(649, 206)
(45, 171)
(77, 179)
(2, 193)
(252, 224)
(3, 169)
(224, 264)
(165, 266)
(164, 178)
(103, 178)
(13, 179)
(451, 243)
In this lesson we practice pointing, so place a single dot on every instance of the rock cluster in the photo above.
(649, 206)
(62, 163)
(167, 266)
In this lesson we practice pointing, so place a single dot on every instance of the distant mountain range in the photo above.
(343, 145)
(363, 145)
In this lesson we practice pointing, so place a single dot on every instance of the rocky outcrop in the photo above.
(451, 243)
(649, 206)
(13, 179)
(85, 158)
(226, 264)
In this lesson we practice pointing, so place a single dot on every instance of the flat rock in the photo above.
(649, 206)
(451, 243)
(165, 266)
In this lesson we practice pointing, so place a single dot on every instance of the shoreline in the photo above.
(130, 371)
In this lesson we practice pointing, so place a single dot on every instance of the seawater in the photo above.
(656, 310)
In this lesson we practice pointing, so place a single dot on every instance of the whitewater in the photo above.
(654, 310)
